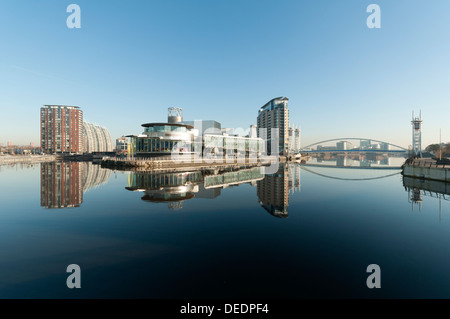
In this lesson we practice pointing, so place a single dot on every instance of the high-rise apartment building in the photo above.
(297, 139)
(275, 115)
(96, 138)
(61, 129)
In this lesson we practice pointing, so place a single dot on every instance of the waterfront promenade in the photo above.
(12, 159)
(169, 164)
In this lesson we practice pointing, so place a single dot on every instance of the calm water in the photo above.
(303, 232)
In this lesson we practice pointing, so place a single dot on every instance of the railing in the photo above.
(181, 158)
(428, 164)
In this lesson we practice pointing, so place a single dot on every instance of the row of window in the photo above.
(156, 145)
(166, 128)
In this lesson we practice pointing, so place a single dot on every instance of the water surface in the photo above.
(305, 232)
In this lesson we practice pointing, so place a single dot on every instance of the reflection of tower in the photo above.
(294, 178)
(416, 198)
(417, 135)
(61, 184)
(273, 192)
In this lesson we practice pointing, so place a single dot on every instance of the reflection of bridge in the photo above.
(349, 179)
(384, 146)
(353, 167)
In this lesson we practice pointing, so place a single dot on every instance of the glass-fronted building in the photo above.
(177, 137)
(159, 139)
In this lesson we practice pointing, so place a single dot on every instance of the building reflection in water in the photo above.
(273, 191)
(367, 160)
(63, 183)
(418, 188)
(174, 188)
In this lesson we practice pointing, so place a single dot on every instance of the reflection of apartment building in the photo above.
(63, 183)
(94, 176)
(273, 192)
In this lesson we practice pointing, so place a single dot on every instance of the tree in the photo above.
(432, 148)
(446, 150)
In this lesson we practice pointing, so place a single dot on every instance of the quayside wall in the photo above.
(427, 169)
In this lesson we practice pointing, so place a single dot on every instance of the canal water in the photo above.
(304, 232)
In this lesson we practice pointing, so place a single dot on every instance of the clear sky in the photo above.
(223, 59)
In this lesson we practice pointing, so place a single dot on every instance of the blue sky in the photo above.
(222, 60)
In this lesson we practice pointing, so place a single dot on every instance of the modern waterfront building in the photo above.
(275, 115)
(291, 139)
(96, 138)
(177, 137)
(385, 146)
(123, 145)
(253, 133)
(343, 145)
(297, 139)
(365, 144)
(294, 139)
(164, 139)
(61, 129)
(205, 126)
(228, 131)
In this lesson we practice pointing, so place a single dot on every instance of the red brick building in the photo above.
(61, 129)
